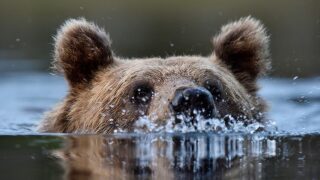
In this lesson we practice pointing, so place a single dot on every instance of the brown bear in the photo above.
(107, 93)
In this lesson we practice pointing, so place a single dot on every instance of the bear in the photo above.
(108, 93)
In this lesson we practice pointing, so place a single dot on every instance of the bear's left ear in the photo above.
(81, 49)
(244, 47)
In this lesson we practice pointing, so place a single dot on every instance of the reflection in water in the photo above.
(161, 156)
(165, 156)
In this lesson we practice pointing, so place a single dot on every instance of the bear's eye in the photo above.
(215, 88)
(142, 94)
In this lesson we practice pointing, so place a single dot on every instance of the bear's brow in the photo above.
(159, 75)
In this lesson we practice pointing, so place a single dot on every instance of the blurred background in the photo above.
(140, 28)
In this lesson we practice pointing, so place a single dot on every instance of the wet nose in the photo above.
(192, 102)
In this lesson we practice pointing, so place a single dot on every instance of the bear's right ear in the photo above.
(81, 49)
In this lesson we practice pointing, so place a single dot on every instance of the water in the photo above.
(161, 156)
(290, 152)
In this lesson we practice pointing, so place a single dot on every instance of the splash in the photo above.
(144, 124)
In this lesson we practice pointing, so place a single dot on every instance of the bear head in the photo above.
(107, 92)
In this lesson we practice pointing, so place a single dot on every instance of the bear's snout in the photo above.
(192, 102)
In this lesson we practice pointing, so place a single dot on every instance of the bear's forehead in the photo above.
(169, 61)
(180, 66)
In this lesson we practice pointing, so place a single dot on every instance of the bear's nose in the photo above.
(192, 102)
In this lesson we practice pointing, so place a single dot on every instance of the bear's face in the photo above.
(108, 93)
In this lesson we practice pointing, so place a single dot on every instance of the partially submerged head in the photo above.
(107, 93)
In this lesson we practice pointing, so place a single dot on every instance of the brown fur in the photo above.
(101, 84)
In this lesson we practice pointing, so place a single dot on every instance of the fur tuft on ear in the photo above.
(81, 48)
(244, 47)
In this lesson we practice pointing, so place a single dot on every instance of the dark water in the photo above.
(291, 152)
